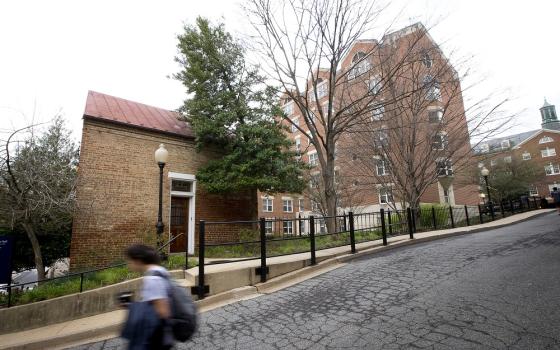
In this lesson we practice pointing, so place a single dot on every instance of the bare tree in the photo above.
(37, 181)
(305, 45)
(418, 134)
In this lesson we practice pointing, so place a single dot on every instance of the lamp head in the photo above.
(161, 154)
(485, 172)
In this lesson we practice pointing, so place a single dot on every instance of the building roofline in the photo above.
(534, 135)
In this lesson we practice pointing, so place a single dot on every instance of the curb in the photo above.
(249, 292)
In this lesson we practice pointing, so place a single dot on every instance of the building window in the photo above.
(326, 111)
(546, 139)
(288, 108)
(435, 115)
(385, 195)
(301, 204)
(309, 137)
(314, 181)
(181, 186)
(377, 113)
(504, 144)
(294, 125)
(381, 138)
(440, 141)
(484, 148)
(267, 204)
(322, 226)
(315, 206)
(552, 169)
(550, 187)
(507, 159)
(548, 152)
(427, 60)
(287, 205)
(374, 85)
(444, 167)
(269, 227)
(526, 156)
(360, 65)
(313, 159)
(298, 144)
(288, 227)
(493, 162)
(322, 89)
(533, 191)
(446, 196)
(433, 90)
(381, 168)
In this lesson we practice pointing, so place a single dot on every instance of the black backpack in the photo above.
(184, 319)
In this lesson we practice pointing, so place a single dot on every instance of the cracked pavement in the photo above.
(498, 289)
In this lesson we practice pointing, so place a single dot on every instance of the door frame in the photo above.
(192, 199)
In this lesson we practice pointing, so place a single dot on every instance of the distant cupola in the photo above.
(549, 118)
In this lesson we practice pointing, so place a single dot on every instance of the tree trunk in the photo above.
(36, 250)
(330, 194)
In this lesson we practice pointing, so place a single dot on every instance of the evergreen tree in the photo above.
(232, 110)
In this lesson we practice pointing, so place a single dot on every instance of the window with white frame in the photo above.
(288, 108)
(551, 186)
(374, 85)
(533, 191)
(446, 196)
(381, 167)
(504, 144)
(381, 137)
(301, 204)
(546, 139)
(309, 137)
(313, 158)
(297, 141)
(288, 227)
(360, 65)
(294, 124)
(287, 205)
(507, 159)
(485, 148)
(267, 204)
(444, 167)
(385, 195)
(322, 226)
(440, 141)
(377, 113)
(435, 115)
(552, 169)
(322, 89)
(548, 152)
(269, 227)
(526, 156)
(493, 162)
(315, 207)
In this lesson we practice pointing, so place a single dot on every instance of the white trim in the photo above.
(192, 203)
(179, 176)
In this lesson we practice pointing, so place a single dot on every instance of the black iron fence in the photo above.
(272, 237)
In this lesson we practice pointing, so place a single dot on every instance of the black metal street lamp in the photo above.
(485, 172)
(161, 155)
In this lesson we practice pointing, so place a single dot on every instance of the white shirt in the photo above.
(154, 287)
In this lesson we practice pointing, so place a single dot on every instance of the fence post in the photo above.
(263, 250)
(467, 215)
(414, 218)
(390, 221)
(81, 282)
(511, 208)
(383, 227)
(10, 294)
(451, 216)
(201, 243)
(410, 224)
(502, 208)
(434, 223)
(345, 225)
(312, 239)
(480, 214)
(352, 232)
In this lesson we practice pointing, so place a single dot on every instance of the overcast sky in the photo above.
(53, 52)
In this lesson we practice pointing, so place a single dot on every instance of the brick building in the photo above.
(537, 147)
(117, 190)
(369, 196)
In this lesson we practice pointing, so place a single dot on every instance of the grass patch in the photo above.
(71, 284)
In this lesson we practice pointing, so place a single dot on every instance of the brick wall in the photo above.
(117, 192)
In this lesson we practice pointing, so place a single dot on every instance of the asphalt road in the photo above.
(498, 289)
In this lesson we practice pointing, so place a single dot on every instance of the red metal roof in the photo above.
(121, 111)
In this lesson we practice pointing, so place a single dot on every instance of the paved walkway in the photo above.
(497, 289)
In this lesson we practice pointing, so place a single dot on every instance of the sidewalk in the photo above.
(107, 325)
